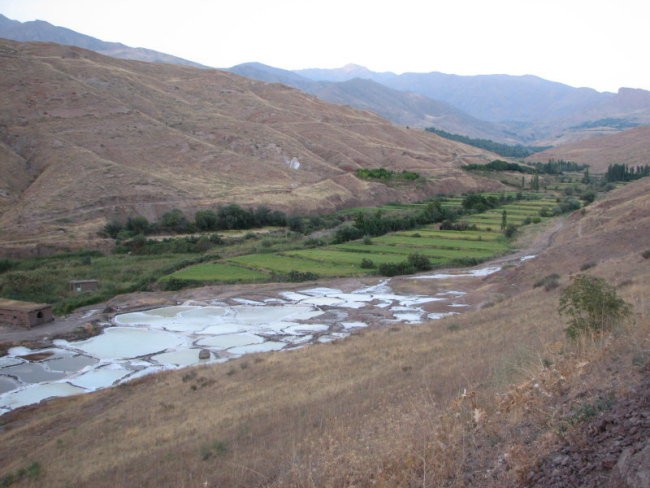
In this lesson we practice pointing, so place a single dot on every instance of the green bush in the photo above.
(419, 262)
(298, 276)
(367, 263)
(6, 265)
(510, 231)
(174, 284)
(549, 282)
(591, 305)
(396, 269)
(112, 229)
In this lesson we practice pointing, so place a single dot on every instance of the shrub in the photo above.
(367, 263)
(449, 225)
(174, 284)
(206, 220)
(591, 305)
(549, 282)
(367, 240)
(112, 229)
(174, 221)
(298, 276)
(6, 265)
(313, 242)
(395, 269)
(137, 225)
(588, 265)
(347, 233)
(419, 262)
(510, 231)
(646, 254)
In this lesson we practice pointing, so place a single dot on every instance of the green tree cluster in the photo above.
(505, 150)
(623, 172)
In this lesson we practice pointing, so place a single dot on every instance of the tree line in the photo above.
(505, 150)
(551, 167)
(223, 218)
(623, 172)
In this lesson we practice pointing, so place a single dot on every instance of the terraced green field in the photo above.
(220, 272)
(516, 213)
(442, 247)
(439, 243)
(330, 255)
(279, 263)
(405, 251)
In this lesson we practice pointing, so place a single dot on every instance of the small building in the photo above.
(82, 286)
(24, 314)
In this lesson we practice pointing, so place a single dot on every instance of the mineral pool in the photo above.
(141, 343)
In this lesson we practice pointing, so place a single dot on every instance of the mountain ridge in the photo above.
(400, 107)
(512, 109)
(42, 31)
(538, 110)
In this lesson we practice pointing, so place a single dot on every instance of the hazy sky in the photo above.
(603, 44)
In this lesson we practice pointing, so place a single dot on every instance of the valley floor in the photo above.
(494, 397)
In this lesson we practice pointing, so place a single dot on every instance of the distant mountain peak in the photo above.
(354, 67)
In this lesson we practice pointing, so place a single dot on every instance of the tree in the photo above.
(206, 220)
(137, 225)
(504, 220)
(591, 305)
(534, 182)
(113, 228)
(510, 230)
(175, 221)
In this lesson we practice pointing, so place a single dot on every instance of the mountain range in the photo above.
(534, 109)
(510, 109)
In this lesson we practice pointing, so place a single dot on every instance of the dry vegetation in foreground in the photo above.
(472, 400)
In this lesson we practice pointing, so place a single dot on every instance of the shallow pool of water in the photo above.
(146, 342)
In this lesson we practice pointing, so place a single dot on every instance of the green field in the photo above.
(279, 263)
(330, 255)
(437, 243)
(460, 235)
(220, 272)
(442, 247)
(516, 213)
(449, 254)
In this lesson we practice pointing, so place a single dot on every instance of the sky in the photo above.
(602, 44)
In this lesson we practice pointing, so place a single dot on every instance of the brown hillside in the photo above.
(630, 147)
(401, 406)
(86, 137)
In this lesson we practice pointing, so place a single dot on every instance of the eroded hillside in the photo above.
(631, 147)
(86, 137)
(478, 399)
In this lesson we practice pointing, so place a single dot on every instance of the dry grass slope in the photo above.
(631, 147)
(90, 137)
(432, 405)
